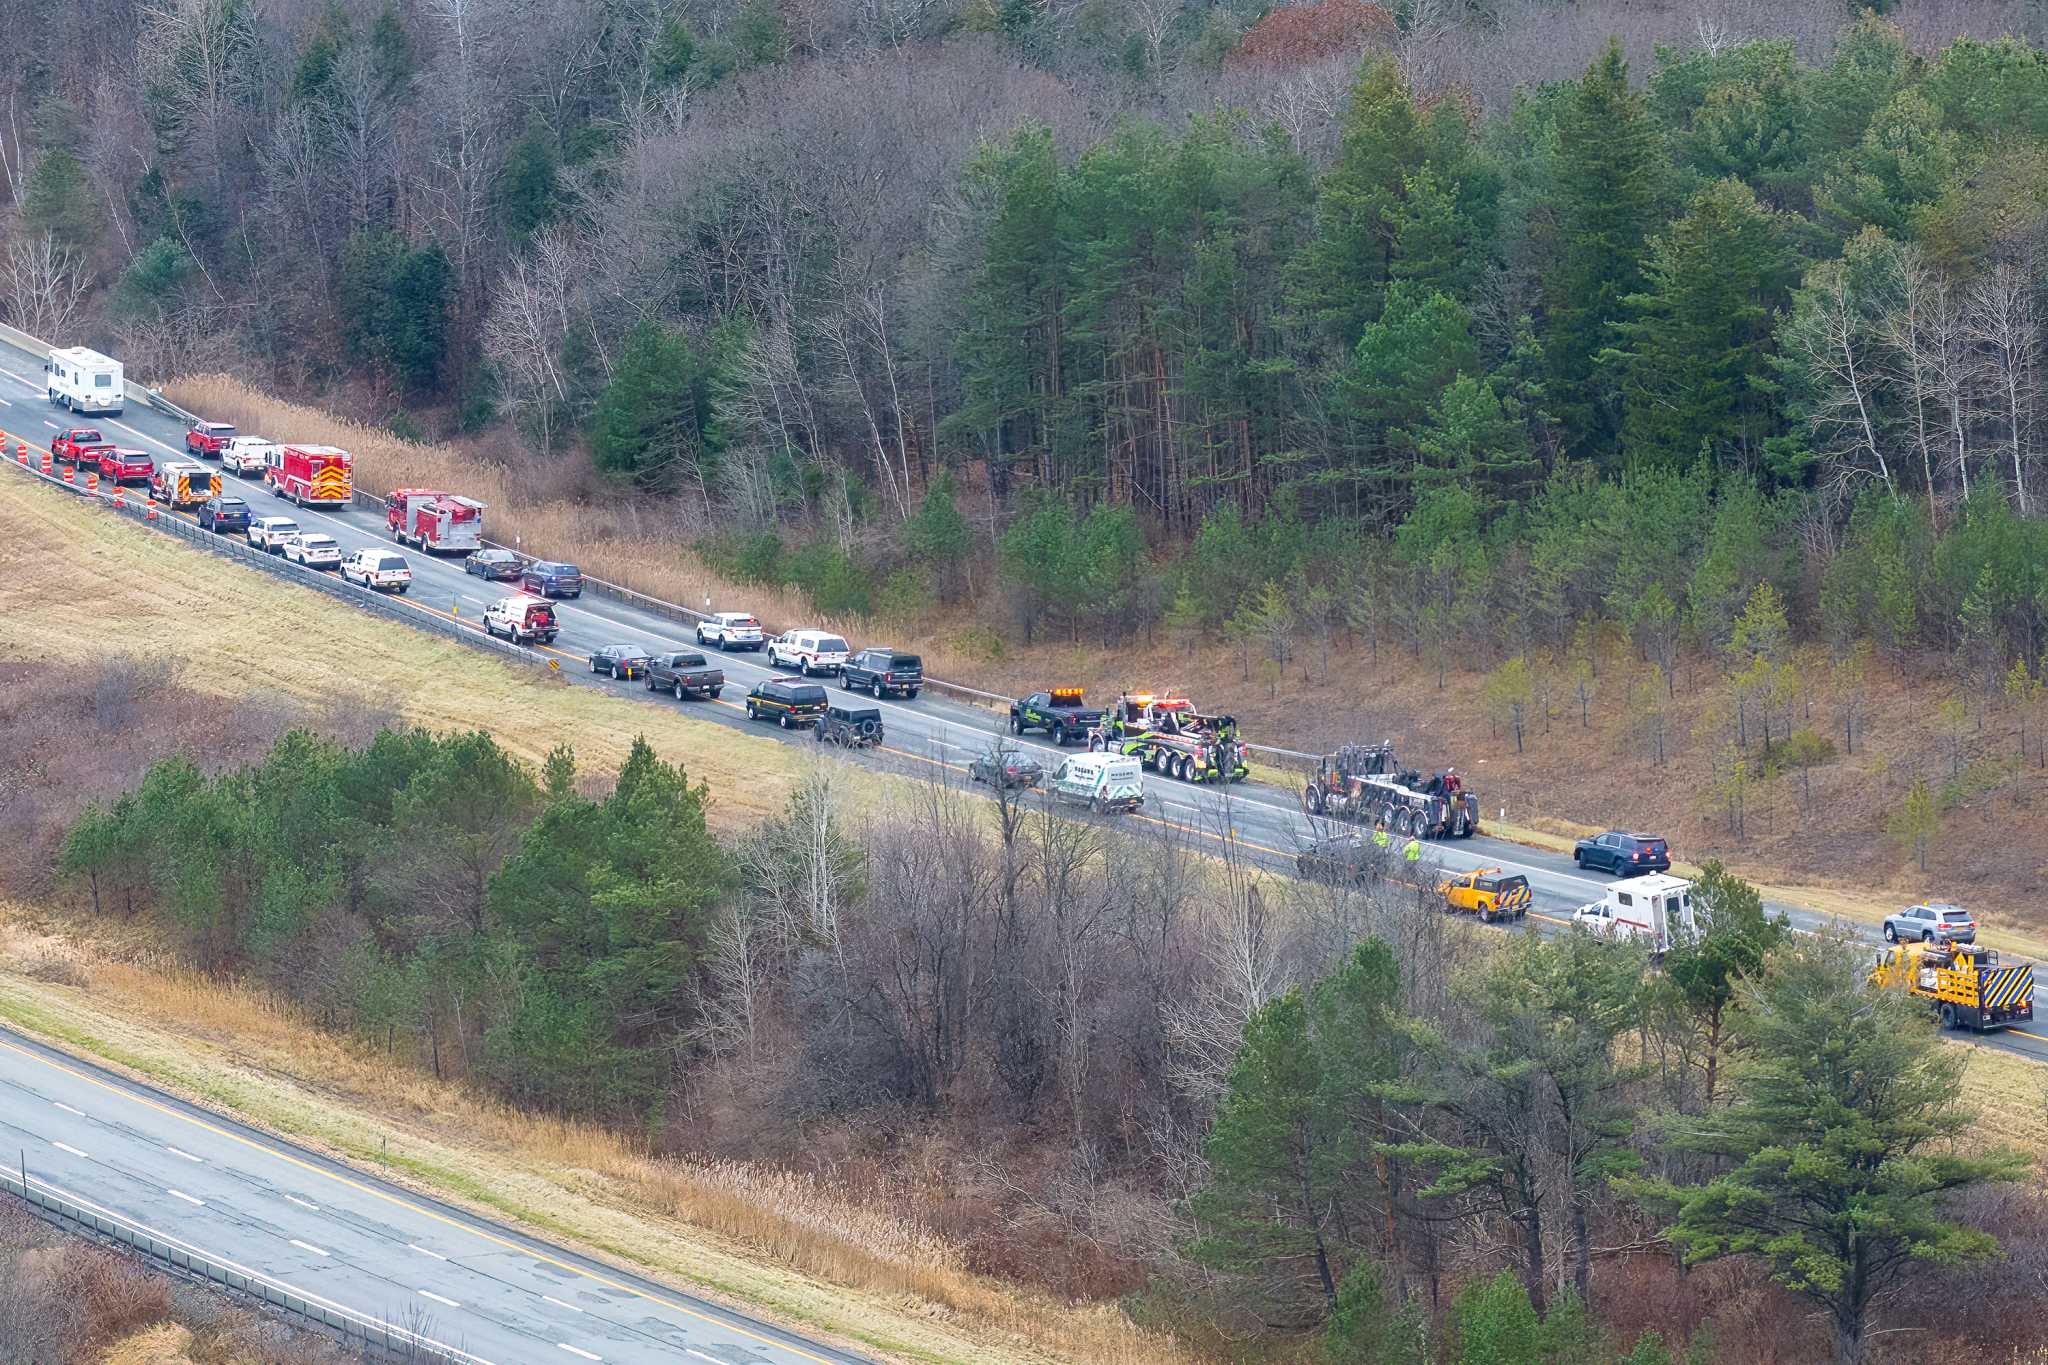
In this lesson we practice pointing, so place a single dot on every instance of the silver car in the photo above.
(1931, 922)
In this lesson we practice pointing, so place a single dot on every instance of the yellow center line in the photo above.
(406, 1204)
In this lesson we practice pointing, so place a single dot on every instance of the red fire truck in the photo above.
(317, 475)
(434, 521)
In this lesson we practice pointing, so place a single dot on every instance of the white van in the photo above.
(84, 381)
(1101, 782)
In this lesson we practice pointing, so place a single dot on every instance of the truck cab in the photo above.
(1060, 713)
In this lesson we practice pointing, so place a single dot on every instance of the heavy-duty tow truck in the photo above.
(1365, 783)
(1168, 735)
(1963, 983)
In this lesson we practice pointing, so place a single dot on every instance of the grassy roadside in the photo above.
(789, 1248)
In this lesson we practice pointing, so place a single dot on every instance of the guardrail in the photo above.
(136, 508)
(355, 1329)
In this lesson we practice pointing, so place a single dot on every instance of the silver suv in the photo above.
(1931, 922)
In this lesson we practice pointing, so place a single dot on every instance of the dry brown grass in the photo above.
(165, 1344)
(241, 636)
(792, 1246)
(2008, 1092)
(638, 543)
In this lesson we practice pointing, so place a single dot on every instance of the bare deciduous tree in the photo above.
(45, 285)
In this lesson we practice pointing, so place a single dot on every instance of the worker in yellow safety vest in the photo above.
(1414, 850)
(1379, 835)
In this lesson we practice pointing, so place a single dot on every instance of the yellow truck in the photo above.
(1486, 892)
(1964, 983)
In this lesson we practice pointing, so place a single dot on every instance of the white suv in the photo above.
(270, 533)
(313, 551)
(807, 651)
(378, 569)
(730, 630)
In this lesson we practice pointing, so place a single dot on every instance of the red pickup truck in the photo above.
(206, 440)
(122, 465)
(79, 443)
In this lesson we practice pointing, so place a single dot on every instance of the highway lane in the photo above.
(328, 1232)
(931, 734)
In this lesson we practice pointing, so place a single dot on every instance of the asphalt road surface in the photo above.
(932, 735)
(329, 1232)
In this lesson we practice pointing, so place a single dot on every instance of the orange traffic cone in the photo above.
(92, 484)
(152, 509)
(46, 462)
(70, 474)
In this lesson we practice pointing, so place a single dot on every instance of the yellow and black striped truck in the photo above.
(1964, 983)
(183, 483)
(1487, 892)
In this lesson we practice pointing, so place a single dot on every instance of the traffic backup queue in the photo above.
(1964, 983)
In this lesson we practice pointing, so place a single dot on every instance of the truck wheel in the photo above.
(1891, 934)
(845, 683)
(713, 693)
(1312, 799)
(783, 720)
(679, 691)
(1016, 725)
(1948, 1016)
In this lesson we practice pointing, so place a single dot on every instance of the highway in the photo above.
(933, 734)
(484, 1295)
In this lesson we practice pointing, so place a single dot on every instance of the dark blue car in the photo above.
(545, 578)
(224, 515)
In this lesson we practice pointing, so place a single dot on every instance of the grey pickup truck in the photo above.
(687, 674)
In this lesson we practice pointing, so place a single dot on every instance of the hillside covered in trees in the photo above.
(1467, 323)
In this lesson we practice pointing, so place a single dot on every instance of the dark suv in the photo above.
(850, 727)
(224, 515)
(545, 578)
(882, 671)
(1625, 855)
(789, 702)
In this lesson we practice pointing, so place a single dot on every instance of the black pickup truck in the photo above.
(687, 674)
(1059, 713)
(882, 671)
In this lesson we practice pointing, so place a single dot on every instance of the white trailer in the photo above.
(84, 381)
(1654, 909)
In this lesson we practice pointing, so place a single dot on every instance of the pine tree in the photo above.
(1917, 820)
(937, 535)
(1838, 1139)
(1695, 351)
(1606, 205)
(652, 427)
(59, 201)
(1472, 438)
(529, 182)
(1340, 280)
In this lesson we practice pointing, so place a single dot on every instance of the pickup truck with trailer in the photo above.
(77, 444)
(1059, 713)
(207, 440)
(1654, 909)
(119, 464)
(882, 671)
(434, 521)
(1365, 784)
(247, 455)
(685, 673)
(184, 483)
(322, 476)
(1963, 983)
(522, 620)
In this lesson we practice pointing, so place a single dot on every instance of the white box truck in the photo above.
(1656, 909)
(84, 381)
